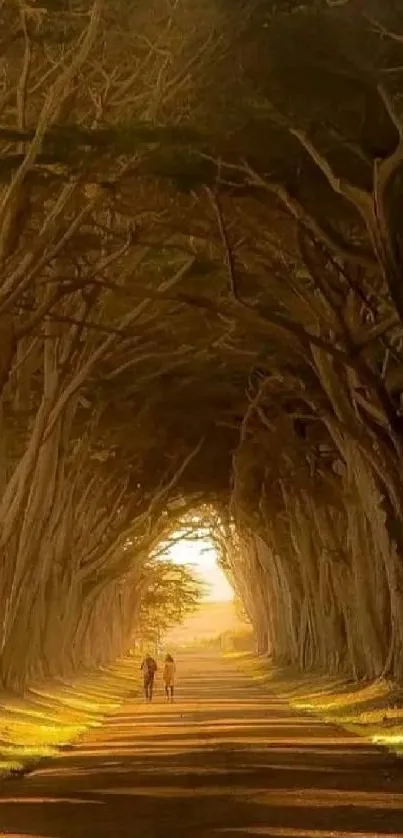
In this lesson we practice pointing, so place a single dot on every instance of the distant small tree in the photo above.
(171, 593)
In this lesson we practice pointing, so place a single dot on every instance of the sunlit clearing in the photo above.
(200, 554)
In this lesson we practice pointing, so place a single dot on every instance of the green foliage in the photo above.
(171, 593)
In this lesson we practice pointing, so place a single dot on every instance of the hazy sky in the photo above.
(202, 556)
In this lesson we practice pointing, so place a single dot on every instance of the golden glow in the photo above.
(201, 555)
(36, 727)
(363, 711)
(389, 739)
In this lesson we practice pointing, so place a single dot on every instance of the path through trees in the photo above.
(201, 307)
(227, 760)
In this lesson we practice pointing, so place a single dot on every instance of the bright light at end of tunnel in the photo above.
(201, 555)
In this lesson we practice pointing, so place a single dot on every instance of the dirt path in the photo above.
(226, 760)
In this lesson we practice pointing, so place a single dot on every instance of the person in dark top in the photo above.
(149, 668)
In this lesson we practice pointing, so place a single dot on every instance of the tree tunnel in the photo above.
(201, 307)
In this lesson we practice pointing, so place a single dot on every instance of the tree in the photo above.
(171, 592)
(200, 303)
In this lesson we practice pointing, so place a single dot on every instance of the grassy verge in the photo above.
(53, 714)
(370, 709)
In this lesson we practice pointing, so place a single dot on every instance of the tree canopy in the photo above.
(201, 303)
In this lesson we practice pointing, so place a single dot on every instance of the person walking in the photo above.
(149, 668)
(169, 677)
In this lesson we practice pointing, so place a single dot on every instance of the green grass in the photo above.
(373, 710)
(54, 714)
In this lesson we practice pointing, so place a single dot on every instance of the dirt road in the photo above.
(228, 759)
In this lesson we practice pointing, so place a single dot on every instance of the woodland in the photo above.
(201, 319)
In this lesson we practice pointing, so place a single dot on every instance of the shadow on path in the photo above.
(227, 761)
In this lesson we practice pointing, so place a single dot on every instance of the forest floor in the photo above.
(373, 709)
(229, 759)
(37, 726)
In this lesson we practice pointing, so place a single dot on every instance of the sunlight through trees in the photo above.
(201, 307)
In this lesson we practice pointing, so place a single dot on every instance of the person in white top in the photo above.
(169, 677)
